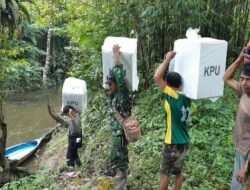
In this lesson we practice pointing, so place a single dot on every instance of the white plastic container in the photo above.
(128, 59)
(74, 93)
(201, 62)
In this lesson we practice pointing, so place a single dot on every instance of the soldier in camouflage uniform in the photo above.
(120, 100)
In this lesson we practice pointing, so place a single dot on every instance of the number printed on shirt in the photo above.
(185, 112)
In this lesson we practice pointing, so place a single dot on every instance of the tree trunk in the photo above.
(3, 137)
(47, 62)
(9, 170)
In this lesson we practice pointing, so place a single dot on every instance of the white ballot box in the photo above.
(128, 59)
(74, 93)
(201, 62)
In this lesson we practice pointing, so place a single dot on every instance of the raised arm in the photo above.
(159, 73)
(229, 74)
(119, 72)
(116, 53)
(124, 106)
(54, 115)
(57, 117)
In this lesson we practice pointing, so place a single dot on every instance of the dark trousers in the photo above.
(72, 152)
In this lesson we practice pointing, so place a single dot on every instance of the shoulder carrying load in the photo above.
(131, 127)
(201, 62)
(128, 59)
(74, 93)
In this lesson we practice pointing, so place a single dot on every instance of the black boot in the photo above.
(78, 162)
(110, 170)
(70, 163)
(123, 180)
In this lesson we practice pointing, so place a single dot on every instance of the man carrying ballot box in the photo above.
(120, 101)
(177, 107)
(241, 134)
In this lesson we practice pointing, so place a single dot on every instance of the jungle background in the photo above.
(44, 41)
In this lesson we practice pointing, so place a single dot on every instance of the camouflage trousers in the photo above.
(172, 159)
(118, 158)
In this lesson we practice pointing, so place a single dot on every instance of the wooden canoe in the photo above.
(23, 151)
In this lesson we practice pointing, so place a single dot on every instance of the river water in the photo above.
(27, 117)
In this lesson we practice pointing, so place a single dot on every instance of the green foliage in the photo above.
(79, 31)
(211, 153)
(210, 157)
(96, 132)
(87, 26)
(157, 24)
(209, 162)
(12, 13)
(17, 73)
(22, 76)
(43, 180)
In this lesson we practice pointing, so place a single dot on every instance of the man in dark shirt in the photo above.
(241, 134)
(73, 123)
(74, 135)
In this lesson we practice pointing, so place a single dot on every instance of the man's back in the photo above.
(177, 108)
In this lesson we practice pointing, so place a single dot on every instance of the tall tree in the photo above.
(12, 13)
(47, 62)
(3, 136)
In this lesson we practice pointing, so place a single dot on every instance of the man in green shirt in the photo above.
(177, 107)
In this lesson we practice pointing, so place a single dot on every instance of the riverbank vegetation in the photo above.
(210, 157)
(79, 29)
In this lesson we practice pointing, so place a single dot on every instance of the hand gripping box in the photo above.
(201, 62)
(128, 58)
(74, 93)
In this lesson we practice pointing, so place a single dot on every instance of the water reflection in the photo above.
(27, 117)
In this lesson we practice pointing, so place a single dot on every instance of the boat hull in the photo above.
(21, 152)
